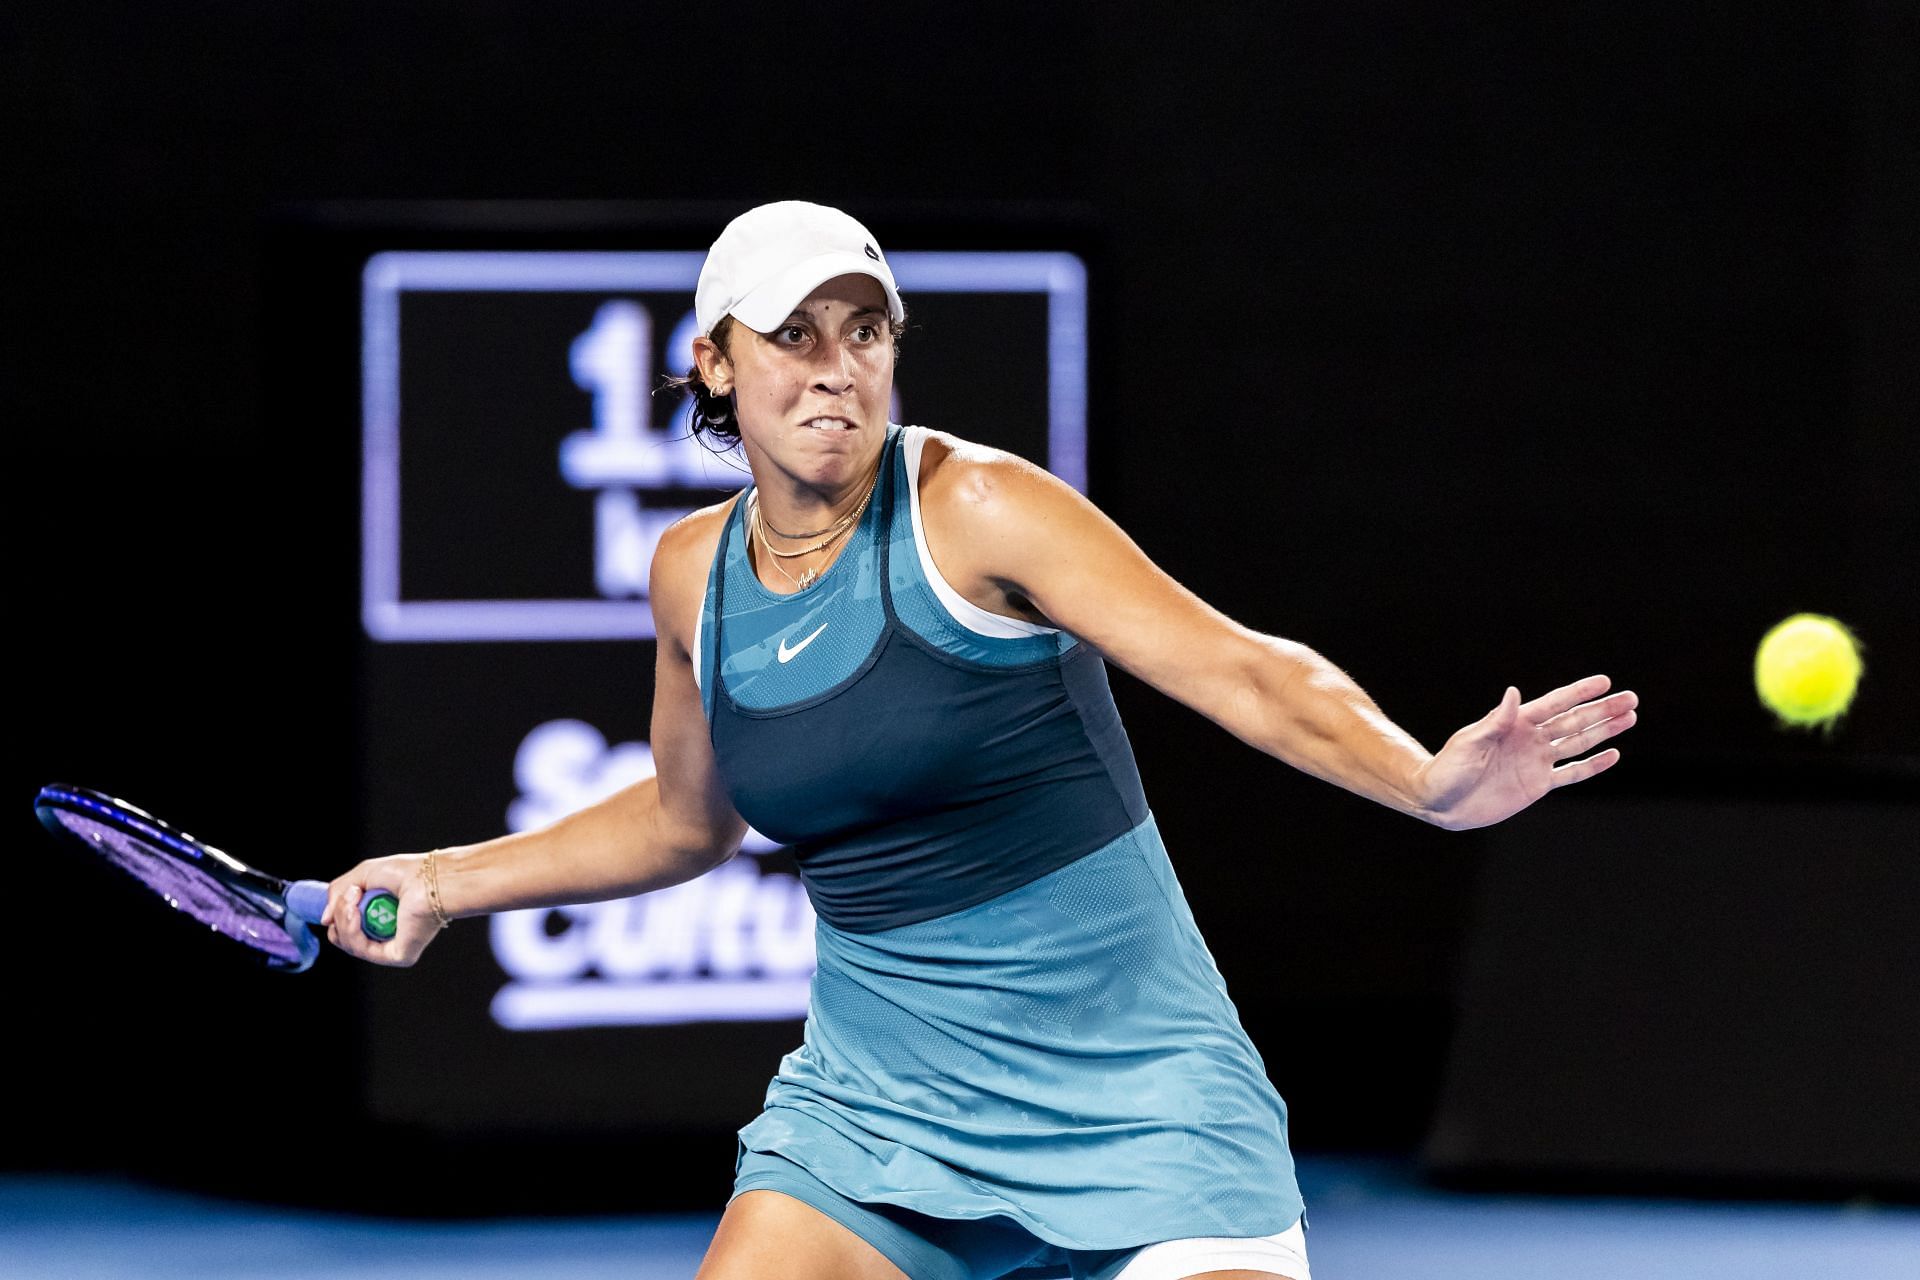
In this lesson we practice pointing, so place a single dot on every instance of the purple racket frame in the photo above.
(276, 918)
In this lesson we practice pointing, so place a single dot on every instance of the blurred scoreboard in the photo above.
(518, 469)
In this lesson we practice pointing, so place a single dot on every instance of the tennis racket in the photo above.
(277, 918)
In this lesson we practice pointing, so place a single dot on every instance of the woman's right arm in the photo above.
(660, 831)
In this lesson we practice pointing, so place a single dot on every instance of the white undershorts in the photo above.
(1284, 1254)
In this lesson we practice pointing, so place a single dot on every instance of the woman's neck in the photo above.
(791, 505)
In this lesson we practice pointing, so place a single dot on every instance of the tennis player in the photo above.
(888, 652)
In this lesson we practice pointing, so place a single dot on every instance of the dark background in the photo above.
(1489, 345)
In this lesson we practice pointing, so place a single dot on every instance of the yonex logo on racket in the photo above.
(383, 916)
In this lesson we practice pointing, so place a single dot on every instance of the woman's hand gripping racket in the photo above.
(275, 917)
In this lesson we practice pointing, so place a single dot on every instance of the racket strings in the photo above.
(233, 911)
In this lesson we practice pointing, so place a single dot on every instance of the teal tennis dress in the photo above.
(1015, 1024)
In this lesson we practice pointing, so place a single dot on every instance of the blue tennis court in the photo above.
(1370, 1219)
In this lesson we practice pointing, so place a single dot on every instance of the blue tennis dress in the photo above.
(1014, 1014)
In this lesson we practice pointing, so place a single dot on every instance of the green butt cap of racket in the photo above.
(380, 915)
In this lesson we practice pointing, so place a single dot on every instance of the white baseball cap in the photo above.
(770, 258)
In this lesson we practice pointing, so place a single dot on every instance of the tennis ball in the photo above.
(1807, 669)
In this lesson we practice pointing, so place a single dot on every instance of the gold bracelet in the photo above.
(433, 892)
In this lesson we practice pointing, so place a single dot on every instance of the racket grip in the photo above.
(379, 908)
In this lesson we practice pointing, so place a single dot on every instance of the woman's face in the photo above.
(813, 394)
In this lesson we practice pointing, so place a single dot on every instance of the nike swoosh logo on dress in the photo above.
(788, 655)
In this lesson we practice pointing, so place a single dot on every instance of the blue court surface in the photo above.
(1368, 1220)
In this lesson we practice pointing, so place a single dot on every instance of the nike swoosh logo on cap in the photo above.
(788, 655)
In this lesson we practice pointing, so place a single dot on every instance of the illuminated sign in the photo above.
(634, 463)
(735, 943)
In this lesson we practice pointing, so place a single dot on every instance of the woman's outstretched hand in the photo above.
(1507, 759)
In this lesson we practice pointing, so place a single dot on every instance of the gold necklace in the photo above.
(760, 523)
(841, 523)
(808, 578)
(801, 583)
(757, 524)
(838, 525)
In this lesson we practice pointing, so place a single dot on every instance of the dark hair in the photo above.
(712, 421)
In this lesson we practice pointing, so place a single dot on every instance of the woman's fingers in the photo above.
(1549, 705)
(1606, 727)
(1580, 770)
(1591, 715)
(343, 917)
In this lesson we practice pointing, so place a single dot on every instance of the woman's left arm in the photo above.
(1034, 536)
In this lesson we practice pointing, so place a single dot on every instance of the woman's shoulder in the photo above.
(961, 476)
(678, 580)
(977, 504)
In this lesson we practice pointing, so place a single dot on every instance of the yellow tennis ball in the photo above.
(1807, 669)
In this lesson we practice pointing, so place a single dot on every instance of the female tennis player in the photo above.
(888, 652)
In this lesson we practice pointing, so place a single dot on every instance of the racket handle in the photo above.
(379, 908)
